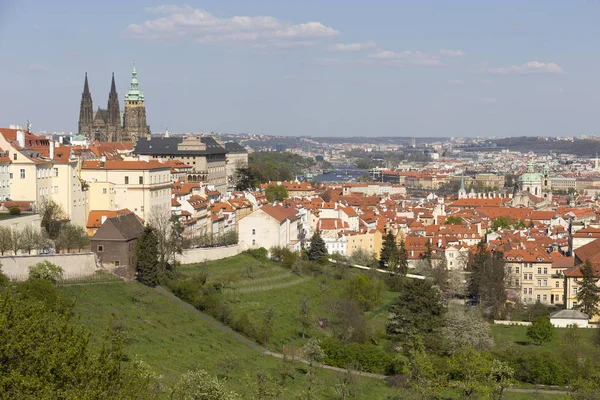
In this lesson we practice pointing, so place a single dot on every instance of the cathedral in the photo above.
(109, 125)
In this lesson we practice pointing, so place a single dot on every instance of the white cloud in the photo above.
(532, 67)
(487, 100)
(452, 53)
(176, 22)
(353, 47)
(456, 81)
(406, 57)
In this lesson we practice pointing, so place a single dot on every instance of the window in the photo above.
(557, 284)
(530, 277)
(545, 298)
(545, 271)
(100, 248)
(538, 297)
(15, 156)
(141, 179)
(517, 269)
(254, 231)
(539, 270)
(253, 242)
(509, 270)
(117, 263)
(530, 290)
(517, 282)
(545, 282)
(22, 173)
(539, 282)
(524, 290)
(127, 180)
(574, 290)
(103, 190)
(55, 171)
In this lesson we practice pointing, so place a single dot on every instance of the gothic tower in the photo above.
(134, 123)
(86, 111)
(113, 114)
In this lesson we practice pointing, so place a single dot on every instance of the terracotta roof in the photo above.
(95, 217)
(280, 213)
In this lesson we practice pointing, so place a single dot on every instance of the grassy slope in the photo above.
(173, 340)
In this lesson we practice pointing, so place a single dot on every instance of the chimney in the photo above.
(103, 159)
(21, 138)
(52, 149)
(103, 218)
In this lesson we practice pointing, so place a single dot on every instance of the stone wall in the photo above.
(191, 256)
(19, 223)
(74, 265)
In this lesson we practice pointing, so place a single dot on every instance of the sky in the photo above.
(320, 68)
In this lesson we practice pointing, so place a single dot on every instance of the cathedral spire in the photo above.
(134, 93)
(113, 87)
(86, 88)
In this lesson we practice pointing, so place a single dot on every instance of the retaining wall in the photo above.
(191, 256)
(74, 265)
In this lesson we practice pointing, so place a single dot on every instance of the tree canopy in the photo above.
(588, 294)
(317, 251)
(146, 257)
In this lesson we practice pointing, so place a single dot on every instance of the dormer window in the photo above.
(519, 258)
(510, 258)
(540, 259)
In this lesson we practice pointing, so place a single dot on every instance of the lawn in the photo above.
(254, 287)
(173, 340)
(508, 335)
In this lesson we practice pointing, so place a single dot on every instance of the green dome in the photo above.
(530, 175)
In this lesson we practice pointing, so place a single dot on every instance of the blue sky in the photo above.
(335, 68)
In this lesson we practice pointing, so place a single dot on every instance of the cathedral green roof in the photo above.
(134, 93)
(530, 175)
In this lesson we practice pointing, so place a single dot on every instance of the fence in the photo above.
(75, 266)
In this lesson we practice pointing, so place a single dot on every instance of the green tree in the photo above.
(541, 330)
(245, 179)
(402, 259)
(588, 294)
(200, 385)
(317, 251)
(276, 192)
(477, 373)
(537, 310)
(453, 220)
(146, 257)
(488, 279)
(419, 308)
(422, 376)
(5, 239)
(46, 356)
(313, 353)
(46, 270)
(500, 223)
(365, 291)
(388, 249)
(52, 215)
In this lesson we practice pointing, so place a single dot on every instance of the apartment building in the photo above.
(270, 226)
(4, 175)
(137, 185)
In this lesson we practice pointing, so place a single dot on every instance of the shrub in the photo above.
(366, 357)
(14, 210)
(260, 254)
(288, 260)
(537, 367)
(244, 325)
(46, 270)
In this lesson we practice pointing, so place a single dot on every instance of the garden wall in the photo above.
(74, 265)
(191, 256)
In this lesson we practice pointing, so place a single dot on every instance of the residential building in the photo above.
(137, 185)
(270, 226)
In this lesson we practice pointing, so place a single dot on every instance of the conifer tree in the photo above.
(317, 251)
(588, 294)
(146, 256)
(387, 249)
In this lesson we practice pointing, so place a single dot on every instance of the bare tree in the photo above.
(30, 239)
(71, 237)
(5, 239)
(169, 232)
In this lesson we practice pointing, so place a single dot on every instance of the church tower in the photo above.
(86, 112)
(113, 114)
(134, 123)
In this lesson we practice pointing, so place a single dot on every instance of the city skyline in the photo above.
(339, 69)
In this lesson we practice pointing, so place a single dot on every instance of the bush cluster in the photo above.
(363, 356)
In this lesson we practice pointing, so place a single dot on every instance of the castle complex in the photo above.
(109, 125)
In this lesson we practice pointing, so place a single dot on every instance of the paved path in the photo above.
(92, 283)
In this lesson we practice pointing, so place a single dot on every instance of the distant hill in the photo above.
(545, 145)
